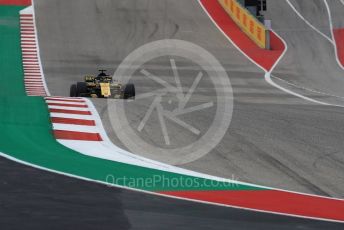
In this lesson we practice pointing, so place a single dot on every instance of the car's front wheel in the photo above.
(73, 91)
(129, 91)
(81, 89)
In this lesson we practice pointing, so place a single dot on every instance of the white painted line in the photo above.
(30, 62)
(65, 102)
(75, 128)
(34, 86)
(28, 36)
(36, 93)
(67, 108)
(28, 43)
(29, 53)
(33, 74)
(268, 79)
(27, 23)
(33, 46)
(64, 98)
(306, 89)
(308, 23)
(332, 34)
(32, 66)
(74, 116)
(330, 39)
(31, 83)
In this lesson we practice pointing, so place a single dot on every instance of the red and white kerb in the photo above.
(33, 74)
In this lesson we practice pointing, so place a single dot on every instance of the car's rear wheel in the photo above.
(73, 91)
(81, 89)
(129, 91)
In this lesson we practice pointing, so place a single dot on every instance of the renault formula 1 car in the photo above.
(102, 86)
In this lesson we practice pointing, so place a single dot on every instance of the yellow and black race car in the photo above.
(102, 86)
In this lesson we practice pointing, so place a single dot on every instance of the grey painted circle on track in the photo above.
(224, 103)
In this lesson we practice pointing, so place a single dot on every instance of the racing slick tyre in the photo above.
(72, 92)
(129, 91)
(81, 89)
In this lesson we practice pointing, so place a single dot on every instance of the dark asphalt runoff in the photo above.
(35, 199)
(275, 139)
